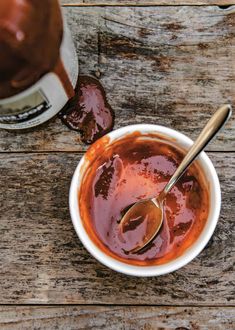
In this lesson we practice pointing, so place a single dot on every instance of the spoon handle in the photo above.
(209, 131)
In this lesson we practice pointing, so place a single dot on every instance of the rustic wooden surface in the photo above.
(116, 318)
(171, 65)
(166, 65)
(42, 261)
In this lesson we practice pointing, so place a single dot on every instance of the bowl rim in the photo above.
(193, 251)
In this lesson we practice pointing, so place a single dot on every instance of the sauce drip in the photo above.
(130, 170)
(64, 78)
(88, 111)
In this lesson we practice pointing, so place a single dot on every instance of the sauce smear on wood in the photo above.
(89, 111)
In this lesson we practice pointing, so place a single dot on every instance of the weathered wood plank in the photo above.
(146, 2)
(167, 65)
(116, 318)
(42, 260)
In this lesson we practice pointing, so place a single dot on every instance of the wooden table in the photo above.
(164, 62)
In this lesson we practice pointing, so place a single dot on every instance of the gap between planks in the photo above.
(225, 6)
(116, 305)
(83, 152)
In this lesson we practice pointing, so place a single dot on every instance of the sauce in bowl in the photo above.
(133, 168)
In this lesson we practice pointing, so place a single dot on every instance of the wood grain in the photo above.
(160, 62)
(116, 318)
(170, 65)
(42, 260)
(146, 2)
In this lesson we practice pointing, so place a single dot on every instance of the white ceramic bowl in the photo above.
(215, 201)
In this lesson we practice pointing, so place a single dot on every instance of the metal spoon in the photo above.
(150, 211)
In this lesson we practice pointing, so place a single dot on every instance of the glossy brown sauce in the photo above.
(30, 37)
(132, 169)
(88, 111)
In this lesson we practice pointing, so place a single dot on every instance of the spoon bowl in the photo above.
(140, 223)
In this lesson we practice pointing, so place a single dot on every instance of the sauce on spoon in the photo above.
(138, 225)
